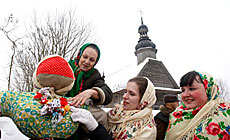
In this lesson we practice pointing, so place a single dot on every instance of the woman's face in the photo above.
(88, 59)
(131, 98)
(195, 95)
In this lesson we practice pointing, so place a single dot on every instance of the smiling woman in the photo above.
(45, 112)
(88, 84)
(202, 114)
(193, 90)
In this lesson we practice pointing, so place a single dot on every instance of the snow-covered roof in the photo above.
(118, 80)
(167, 89)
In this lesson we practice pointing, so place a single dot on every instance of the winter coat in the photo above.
(162, 121)
(95, 81)
(100, 133)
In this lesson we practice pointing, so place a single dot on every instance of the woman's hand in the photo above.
(82, 97)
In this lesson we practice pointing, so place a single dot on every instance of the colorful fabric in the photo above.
(135, 124)
(57, 107)
(79, 74)
(24, 110)
(208, 122)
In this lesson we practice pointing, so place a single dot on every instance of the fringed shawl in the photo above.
(209, 122)
(134, 124)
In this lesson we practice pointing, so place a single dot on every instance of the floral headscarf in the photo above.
(209, 122)
(79, 74)
(133, 124)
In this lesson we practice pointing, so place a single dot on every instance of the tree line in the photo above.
(62, 34)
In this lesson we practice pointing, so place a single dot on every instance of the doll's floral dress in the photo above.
(25, 111)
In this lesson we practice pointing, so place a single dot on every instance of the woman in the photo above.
(88, 81)
(202, 115)
(89, 84)
(132, 119)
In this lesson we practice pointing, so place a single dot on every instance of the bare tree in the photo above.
(224, 89)
(60, 34)
(8, 28)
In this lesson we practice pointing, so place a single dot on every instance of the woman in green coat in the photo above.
(89, 84)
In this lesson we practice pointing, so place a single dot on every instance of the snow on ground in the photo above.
(9, 130)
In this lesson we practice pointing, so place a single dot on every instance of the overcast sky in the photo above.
(189, 34)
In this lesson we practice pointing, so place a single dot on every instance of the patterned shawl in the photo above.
(209, 122)
(79, 74)
(134, 124)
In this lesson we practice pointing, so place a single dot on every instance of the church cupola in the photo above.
(145, 47)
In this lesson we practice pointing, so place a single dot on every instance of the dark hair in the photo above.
(93, 46)
(90, 45)
(141, 83)
(188, 78)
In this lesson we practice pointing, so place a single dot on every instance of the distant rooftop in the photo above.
(118, 80)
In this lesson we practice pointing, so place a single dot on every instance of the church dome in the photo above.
(143, 29)
(143, 43)
(144, 40)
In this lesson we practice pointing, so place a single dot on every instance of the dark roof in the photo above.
(145, 42)
(158, 74)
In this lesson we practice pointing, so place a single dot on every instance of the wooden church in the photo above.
(149, 66)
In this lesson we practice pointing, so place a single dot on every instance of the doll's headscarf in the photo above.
(78, 73)
(200, 122)
(54, 71)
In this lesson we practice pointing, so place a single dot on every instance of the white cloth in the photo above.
(9, 131)
(85, 117)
